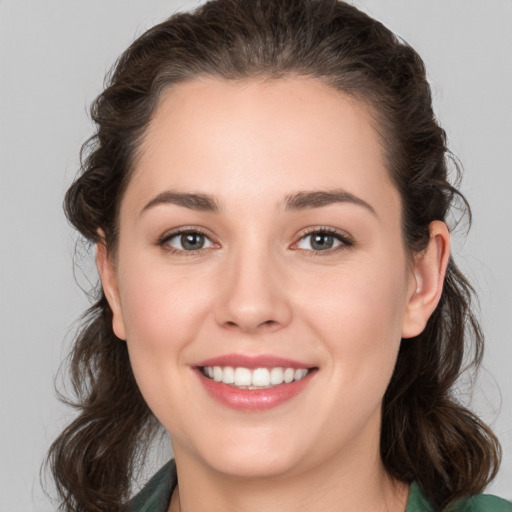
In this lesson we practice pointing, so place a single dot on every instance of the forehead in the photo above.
(260, 137)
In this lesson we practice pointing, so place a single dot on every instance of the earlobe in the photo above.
(429, 272)
(109, 284)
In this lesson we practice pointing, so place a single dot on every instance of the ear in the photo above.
(429, 271)
(108, 278)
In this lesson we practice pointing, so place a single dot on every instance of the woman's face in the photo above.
(260, 230)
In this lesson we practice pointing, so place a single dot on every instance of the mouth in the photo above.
(253, 383)
(254, 378)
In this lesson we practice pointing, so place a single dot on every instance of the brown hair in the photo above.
(427, 436)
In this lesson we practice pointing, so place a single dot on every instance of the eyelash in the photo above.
(163, 242)
(345, 241)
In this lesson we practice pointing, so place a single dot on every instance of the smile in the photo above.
(252, 383)
(252, 379)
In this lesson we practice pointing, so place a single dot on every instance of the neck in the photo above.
(355, 484)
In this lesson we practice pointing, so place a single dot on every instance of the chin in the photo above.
(267, 466)
(253, 458)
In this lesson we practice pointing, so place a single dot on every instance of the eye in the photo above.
(186, 241)
(323, 240)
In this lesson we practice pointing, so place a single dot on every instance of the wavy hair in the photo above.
(427, 435)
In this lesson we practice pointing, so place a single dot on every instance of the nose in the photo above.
(254, 293)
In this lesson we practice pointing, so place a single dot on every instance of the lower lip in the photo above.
(253, 399)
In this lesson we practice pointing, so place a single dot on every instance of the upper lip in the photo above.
(253, 361)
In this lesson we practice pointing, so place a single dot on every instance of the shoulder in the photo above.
(156, 494)
(479, 503)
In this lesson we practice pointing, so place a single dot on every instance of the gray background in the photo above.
(53, 56)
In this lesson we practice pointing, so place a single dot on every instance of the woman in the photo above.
(268, 191)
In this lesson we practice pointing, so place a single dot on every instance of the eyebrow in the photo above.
(301, 200)
(317, 198)
(199, 202)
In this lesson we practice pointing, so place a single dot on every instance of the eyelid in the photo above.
(164, 239)
(346, 241)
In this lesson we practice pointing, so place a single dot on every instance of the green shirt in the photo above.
(156, 496)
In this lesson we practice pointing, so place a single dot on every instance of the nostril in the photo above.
(266, 325)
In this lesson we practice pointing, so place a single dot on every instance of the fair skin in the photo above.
(325, 282)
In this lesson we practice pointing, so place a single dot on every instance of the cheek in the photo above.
(163, 308)
(358, 313)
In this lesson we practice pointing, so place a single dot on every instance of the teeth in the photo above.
(217, 374)
(254, 379)
(276, 376)
(242, 377)
(228, 375)
(300, 374)
(289, 374)
(260, 377)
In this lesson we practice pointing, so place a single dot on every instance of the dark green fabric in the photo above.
(481, 503)
(417, 502)
(156, 496)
